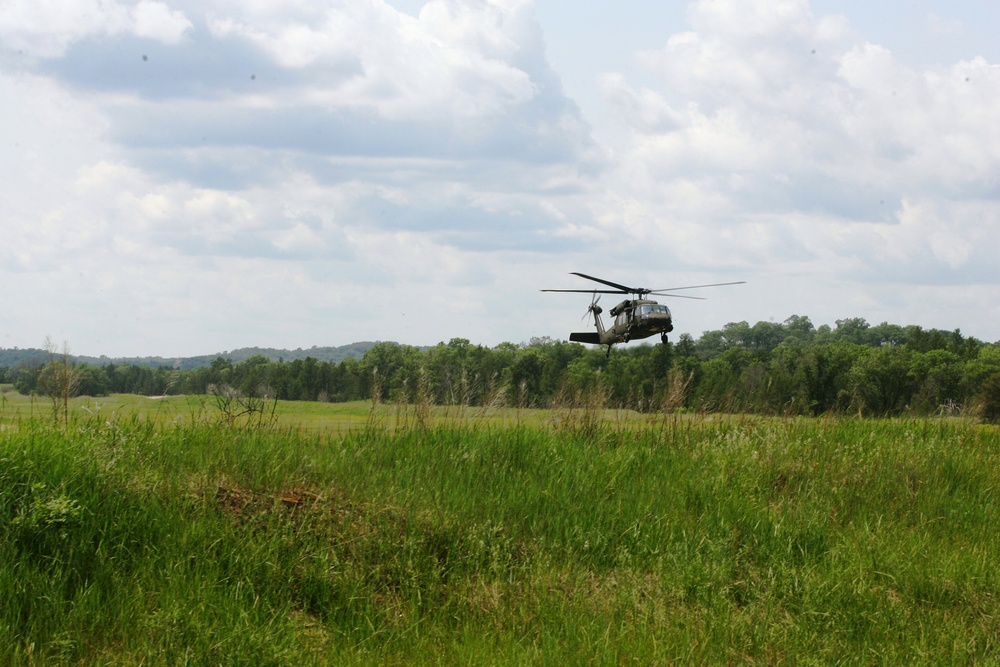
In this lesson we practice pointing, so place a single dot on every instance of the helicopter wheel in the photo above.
(663, 338)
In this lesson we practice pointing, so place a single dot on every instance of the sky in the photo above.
(185, 177)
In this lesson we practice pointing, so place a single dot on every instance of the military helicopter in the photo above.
(635, 318)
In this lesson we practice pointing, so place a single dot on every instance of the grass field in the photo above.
(143, 533)
(302, 416)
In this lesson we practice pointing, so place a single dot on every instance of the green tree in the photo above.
(937, 377)
(737, 334)
(799, 331)
(718, 387)
(989, 400)
(885, 334)
(852, 330)
(24, 378)
(823, 375)
(766, 336)
(390, 370)
(59, 380)
(881, 383)
(710, 345)
(91, 381)
(784, 392)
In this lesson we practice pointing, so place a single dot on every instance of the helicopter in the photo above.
(635, 318)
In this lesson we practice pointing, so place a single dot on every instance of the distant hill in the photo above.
(32, 356)
(18, 357)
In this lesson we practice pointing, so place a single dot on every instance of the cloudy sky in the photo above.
(182, 177)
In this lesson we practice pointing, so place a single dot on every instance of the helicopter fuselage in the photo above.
(640, 318)
(634, 319)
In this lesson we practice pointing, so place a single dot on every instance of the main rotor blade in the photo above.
(674, 289)
(586, 291)
(623, 288)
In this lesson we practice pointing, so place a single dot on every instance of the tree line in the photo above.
(789, 368)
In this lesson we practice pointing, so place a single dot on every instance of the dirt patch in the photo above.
(244, 503)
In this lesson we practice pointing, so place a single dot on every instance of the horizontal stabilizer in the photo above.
(591, 337)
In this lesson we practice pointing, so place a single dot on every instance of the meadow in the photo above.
(144, 532)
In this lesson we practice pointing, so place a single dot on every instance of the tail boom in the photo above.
(591, 337)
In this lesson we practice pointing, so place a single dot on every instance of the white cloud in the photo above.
(156, 20)
(46, 28)
(644, 110)
(456, 59)
(738, 20)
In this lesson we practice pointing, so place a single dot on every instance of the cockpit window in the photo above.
(649, 309)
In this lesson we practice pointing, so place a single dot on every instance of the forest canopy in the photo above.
(791, 367)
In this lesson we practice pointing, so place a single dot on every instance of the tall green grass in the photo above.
(577, 540)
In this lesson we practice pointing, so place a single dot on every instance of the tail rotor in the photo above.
(593, 308)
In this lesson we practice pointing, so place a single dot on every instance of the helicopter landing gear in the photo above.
(664, 339)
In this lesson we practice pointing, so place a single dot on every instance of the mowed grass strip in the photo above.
(137, 540)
